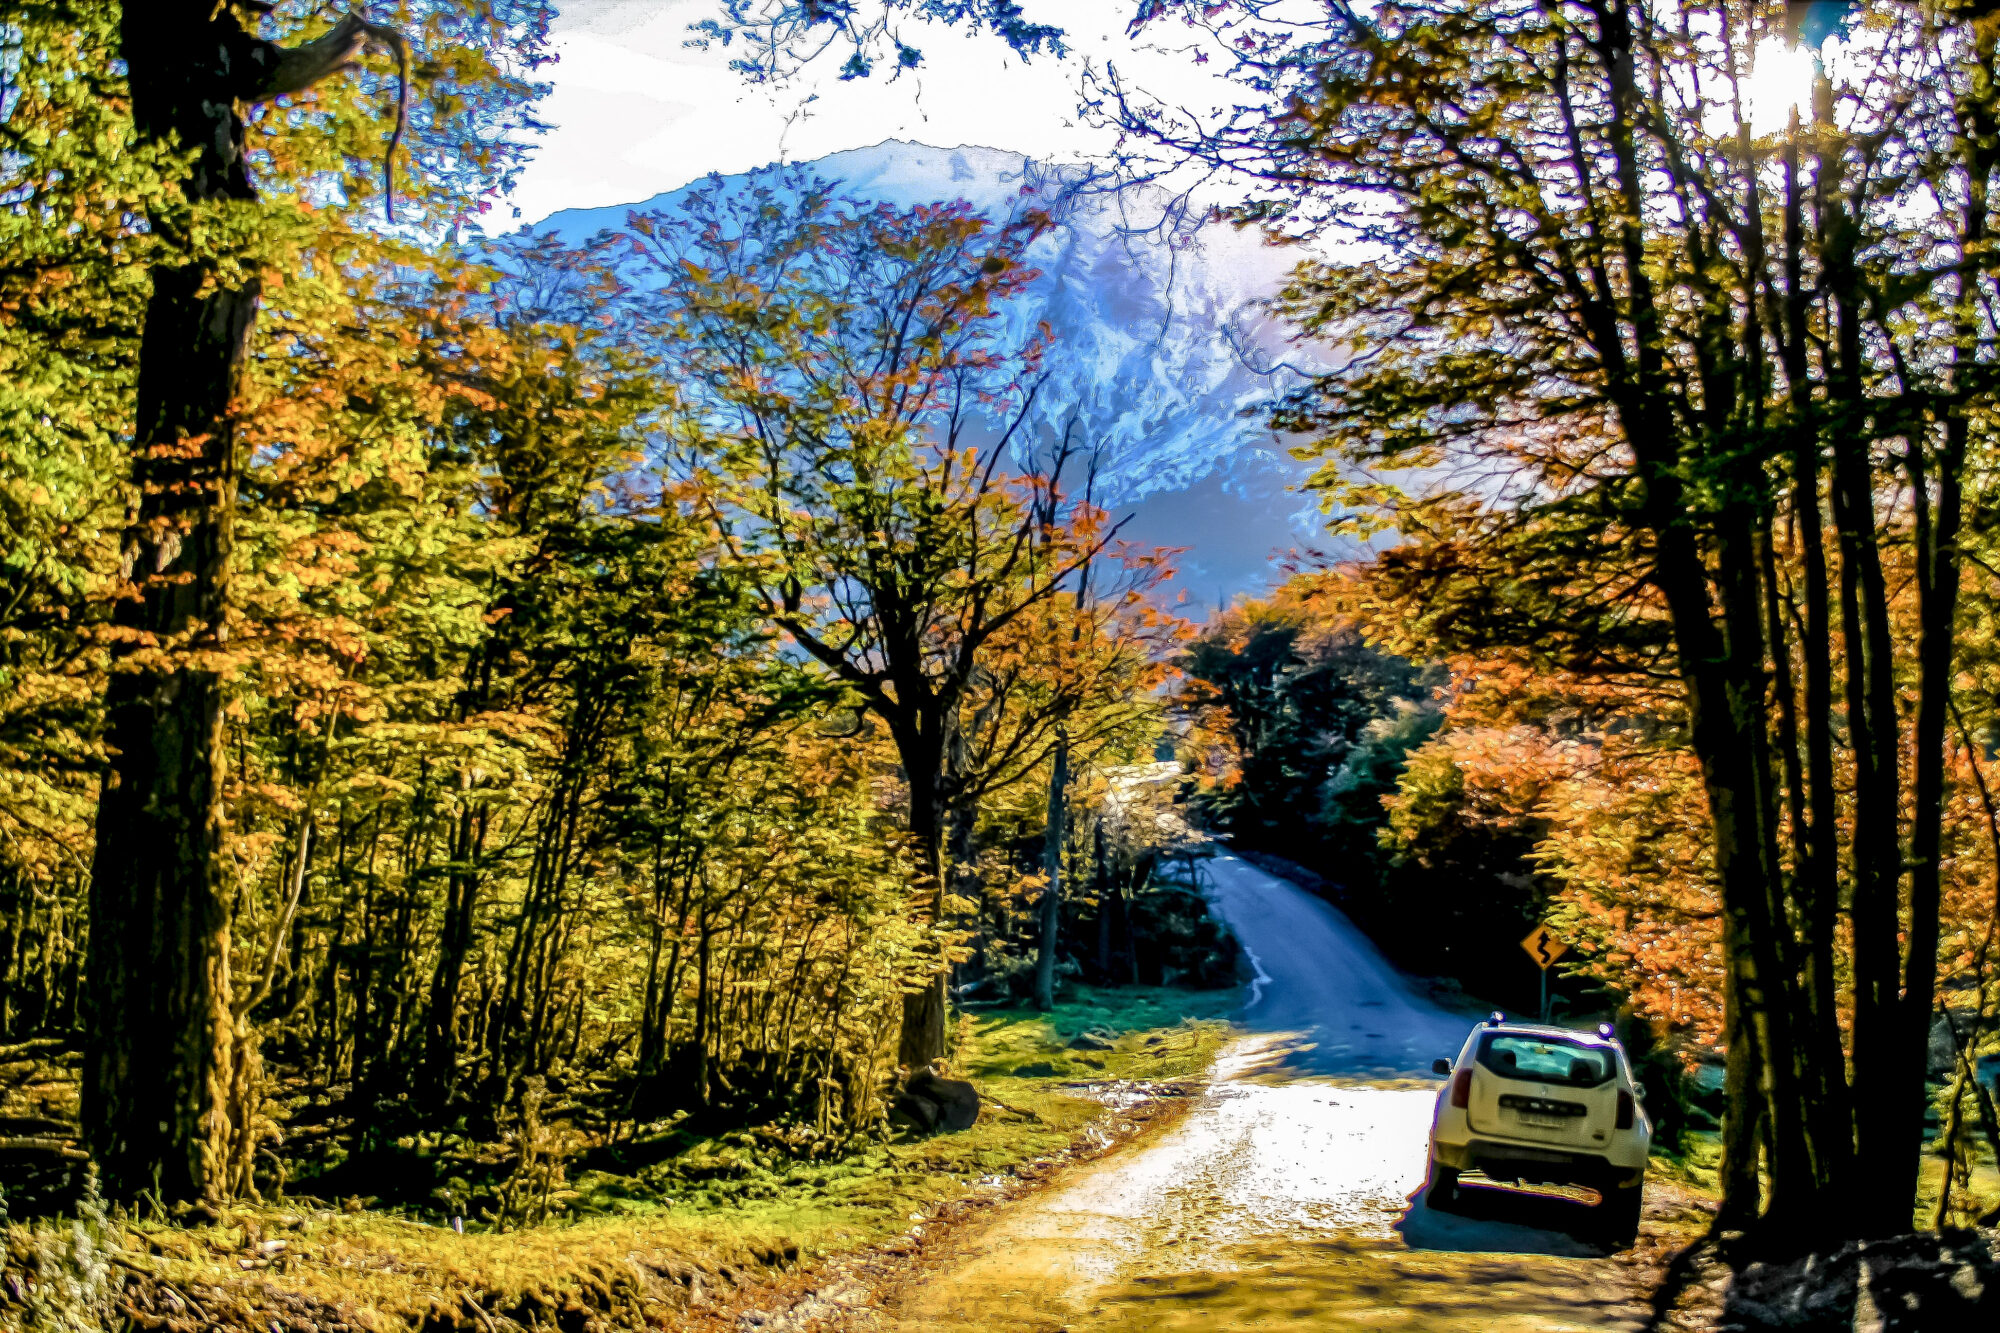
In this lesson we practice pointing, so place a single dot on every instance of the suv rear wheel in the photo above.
(1442, 1190)
(1618, 1216)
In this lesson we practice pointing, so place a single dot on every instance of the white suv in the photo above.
(1543, 1105)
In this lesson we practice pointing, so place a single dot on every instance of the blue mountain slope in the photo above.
(1145, 333)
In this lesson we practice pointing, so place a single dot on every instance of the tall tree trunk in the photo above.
(1874, 729)
(1938, 570)
(1722, 664)
(1908, 1101)
(1743, 1110)
(1722, 661)
(1052, 867)
(157, 1067)
(1723, 673)
(158, 1022)
(925, 1009)
(441, 1043)
(1802, 1169)
(703, 1004)
(670, 901)
(1939, 513)
(1816, 819)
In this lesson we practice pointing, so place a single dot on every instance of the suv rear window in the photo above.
(1545, 1059)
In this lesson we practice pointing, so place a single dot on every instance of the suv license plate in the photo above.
(1543, 1121)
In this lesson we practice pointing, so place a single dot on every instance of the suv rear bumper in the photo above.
(1518, 1161)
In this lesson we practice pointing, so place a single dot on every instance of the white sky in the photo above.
(635, 112)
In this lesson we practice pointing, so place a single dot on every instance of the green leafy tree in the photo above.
(1297, 687)
(852, 396)
(1705, 381)
(130, 129)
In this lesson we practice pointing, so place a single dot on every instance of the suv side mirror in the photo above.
(1441, 1067)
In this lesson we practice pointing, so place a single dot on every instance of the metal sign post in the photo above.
(1543, 946)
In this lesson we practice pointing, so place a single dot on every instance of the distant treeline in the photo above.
(1303, 743)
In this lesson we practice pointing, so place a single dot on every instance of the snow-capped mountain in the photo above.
(1154, 327)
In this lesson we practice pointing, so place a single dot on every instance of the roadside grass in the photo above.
(720, 1211)
(1979, 1196)
(1152, 1033)
(1697, 1166)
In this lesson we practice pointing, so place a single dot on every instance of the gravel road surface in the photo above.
(1286, 1198)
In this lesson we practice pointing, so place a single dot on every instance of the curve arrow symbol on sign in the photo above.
(1543, 946)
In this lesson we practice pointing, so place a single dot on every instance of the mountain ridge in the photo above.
(1150, 323)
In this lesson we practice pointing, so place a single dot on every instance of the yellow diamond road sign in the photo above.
(1543, 946)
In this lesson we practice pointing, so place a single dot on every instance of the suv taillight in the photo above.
(1624, 1109)
(1461, 1088)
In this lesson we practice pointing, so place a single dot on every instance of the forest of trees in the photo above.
(1680, 412)
(433, 666)
(1310, 743)
(442, 675)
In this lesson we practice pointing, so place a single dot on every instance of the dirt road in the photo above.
(1285, 1198)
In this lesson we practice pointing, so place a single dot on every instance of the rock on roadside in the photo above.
(936, 1103)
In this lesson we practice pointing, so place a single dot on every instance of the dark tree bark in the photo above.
(670, 904)
(1052, 895)
(925, 1010)
(1882, 1062)
(702, 1004)
(1876, 853)
(1815, 802)
(14, 904)
(158, 1057)
(1721, 657)
(1938, 492)
(441, 1039)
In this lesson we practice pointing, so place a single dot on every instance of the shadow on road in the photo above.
(1318, 1053)
(1356, 1284)
(1493, 1221)
(1925, 1283)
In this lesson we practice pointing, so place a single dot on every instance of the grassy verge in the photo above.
(1696, 1169)
(639, 1250)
